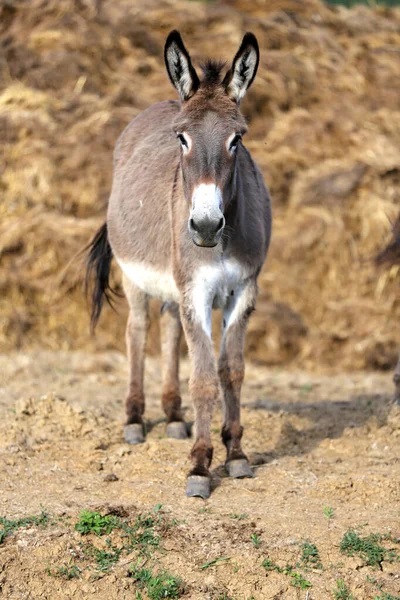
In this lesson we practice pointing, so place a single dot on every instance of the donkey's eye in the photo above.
(234, 142)
(183, 141)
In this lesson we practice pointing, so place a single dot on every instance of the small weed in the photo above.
(268, 564)
(8, 525)
(329, 512)
(141, 534)
(298, 581)
(214, 562)
(310, 556)
(383, 595)
(162, 585)
(105, 559)
(68, 572)
(256, 540)
(94, 522)
(342, 592)
(240, 517)
(205, 509)
(368, 548)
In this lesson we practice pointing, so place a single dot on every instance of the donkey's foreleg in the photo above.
(204, 389)
(231, 373)
(136, 336)
(171, 335)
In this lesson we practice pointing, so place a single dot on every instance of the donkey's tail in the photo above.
(98, 269)
(391, 254)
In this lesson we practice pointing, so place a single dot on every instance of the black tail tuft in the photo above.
(98, 268)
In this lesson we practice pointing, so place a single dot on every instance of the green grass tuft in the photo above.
(105, 559)
(8, 525)
(310, 556)
(383, 595)
(256, 540)
(67, 572)
(297, 579)
(342, 592)
(368, 548)
(159, 586)
(329, 512)
(94, 522)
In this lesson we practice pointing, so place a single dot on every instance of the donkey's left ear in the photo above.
(179, 66)
(244, 68)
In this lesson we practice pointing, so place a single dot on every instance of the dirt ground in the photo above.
(321, 446)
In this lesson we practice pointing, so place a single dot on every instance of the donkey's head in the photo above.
(209, 129)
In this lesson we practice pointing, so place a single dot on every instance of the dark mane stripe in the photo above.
(212, 71)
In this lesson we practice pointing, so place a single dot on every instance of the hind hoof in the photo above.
(134, 433)
(177, 430)
(198, 486)
(239, 469)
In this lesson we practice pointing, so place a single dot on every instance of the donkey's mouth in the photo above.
(202, 242)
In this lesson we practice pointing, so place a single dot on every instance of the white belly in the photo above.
(154, 283)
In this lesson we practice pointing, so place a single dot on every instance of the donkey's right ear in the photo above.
(179, 66)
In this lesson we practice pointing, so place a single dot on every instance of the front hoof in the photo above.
(134, 433)
(239, 469)
(198, 486)
(177, 430)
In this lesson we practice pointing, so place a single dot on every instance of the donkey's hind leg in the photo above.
(396, 379)
(171, 335)
(231, 374)
(136, 336)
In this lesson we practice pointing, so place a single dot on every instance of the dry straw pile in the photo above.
(324, 118)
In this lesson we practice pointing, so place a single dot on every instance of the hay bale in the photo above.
(324, 127)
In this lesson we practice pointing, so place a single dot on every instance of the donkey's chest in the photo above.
(214, 285)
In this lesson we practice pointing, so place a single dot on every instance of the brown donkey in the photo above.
(189, 222)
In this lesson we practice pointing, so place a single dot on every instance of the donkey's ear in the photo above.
(244, 68)
(179, 66)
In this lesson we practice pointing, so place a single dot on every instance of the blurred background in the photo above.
(324, 126)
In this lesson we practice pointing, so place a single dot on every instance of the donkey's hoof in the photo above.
(198, 485)
(239, 468)
(177, 430)
(134, 433)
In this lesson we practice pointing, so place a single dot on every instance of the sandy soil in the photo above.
(314, 441)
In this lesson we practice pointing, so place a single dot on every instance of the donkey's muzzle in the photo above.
(206, 231)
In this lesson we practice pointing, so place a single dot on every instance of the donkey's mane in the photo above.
(212, 72)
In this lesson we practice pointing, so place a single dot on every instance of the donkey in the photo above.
(189, 222)
(391, 255)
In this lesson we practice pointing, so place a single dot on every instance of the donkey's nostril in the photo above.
(193, 225)
(221, 224)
